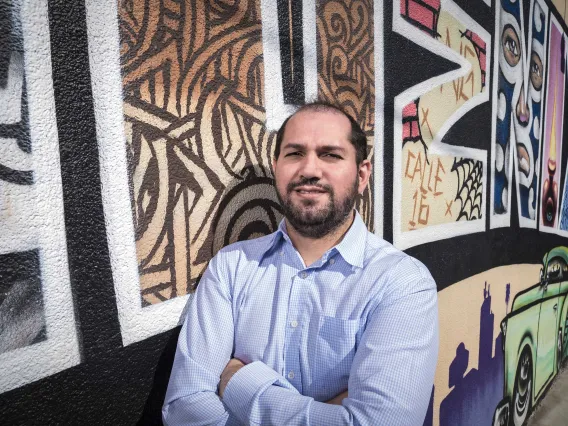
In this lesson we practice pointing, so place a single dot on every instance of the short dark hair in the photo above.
(357, 136)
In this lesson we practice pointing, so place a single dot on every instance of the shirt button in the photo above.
(294, 324)
(303, 274)
(291, 375)
(331, 261)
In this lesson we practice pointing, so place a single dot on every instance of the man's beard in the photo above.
(321, 222)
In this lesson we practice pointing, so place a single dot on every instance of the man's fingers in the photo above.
(231, 368)
(338, 399)
(235, 362)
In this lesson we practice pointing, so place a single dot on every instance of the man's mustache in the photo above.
(308, 181)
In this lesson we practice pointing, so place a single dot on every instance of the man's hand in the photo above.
(338, 399)
(232, 367)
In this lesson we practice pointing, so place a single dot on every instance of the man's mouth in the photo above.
(309, 190)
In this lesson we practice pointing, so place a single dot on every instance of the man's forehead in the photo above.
(329, 124)
(320, 111)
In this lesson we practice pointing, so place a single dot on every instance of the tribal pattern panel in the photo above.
(198, 150)
(346, 72)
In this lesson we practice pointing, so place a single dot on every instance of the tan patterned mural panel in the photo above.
(198, 151)
(346, 72)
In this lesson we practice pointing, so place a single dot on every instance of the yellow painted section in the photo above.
(459, 312)
(429, 186)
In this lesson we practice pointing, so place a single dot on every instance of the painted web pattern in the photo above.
(470, 187)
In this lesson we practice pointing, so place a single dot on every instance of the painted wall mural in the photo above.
(535, 338)
(37, 326)
(439, 188)
(516, 322)
(463, 104)
(517, 109)
(554, 131)
(197, 163)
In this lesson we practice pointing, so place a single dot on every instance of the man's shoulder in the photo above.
(252, 249)
(400, 266)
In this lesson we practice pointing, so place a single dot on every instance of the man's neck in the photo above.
(311, 249)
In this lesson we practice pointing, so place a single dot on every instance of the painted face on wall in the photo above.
(519, 105)
(528, 136)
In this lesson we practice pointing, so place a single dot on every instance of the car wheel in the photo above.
(522, 391)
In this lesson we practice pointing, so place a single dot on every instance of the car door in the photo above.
(548, 323)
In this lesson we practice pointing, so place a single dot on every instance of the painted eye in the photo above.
(536, 71)
(511, 46)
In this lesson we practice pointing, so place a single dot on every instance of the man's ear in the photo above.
(364, 174)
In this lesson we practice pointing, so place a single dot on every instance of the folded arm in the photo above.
(204, 347)
(390, 381)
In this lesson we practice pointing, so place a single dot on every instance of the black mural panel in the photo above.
(291, 50)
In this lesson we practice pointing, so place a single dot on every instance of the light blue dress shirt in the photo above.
(364, 318)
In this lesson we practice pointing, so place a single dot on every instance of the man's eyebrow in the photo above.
(332, 148)
(299, 146)
(293, 146)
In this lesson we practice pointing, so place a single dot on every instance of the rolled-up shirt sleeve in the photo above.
(204, 348)
(390, 381)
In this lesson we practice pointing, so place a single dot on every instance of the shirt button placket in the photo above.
(294, 331)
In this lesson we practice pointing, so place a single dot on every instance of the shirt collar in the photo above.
(351, 247)
(272, 241)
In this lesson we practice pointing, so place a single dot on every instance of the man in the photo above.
(319, 323)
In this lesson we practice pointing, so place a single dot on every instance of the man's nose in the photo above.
(311, 167)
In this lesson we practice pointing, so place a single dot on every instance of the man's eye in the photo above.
(291, 154)
(329, 154)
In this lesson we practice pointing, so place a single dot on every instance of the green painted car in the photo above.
(535, 339)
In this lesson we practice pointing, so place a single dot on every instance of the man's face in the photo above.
(317, 177)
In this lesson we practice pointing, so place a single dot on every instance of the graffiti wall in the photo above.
(501, 367)
(446, 180)
(136, 140)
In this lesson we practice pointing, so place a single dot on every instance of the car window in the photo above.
(556, 270)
